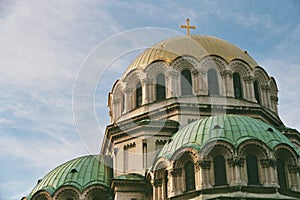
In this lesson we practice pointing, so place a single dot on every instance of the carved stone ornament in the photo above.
(204, 164)
(236, 161)
(269, 162)
(157, 182)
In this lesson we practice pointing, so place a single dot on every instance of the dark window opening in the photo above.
(166, 184)
(220, 171)
(160, 87)
(212, 80)
(252, 170)
(138, 95)
(237, 86)
(256, 92)
(281, 173)
(186, 83)
(189, 176)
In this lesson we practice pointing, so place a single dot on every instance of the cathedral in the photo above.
(192, 117)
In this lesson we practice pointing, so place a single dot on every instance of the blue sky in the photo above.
(45, 45)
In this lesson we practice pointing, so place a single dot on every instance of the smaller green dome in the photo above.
(80, 173)
(233, 129)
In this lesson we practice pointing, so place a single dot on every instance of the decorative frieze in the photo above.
(128, 146)
(160, 142)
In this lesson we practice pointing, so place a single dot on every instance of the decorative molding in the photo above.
(160, 142)
(128, 146)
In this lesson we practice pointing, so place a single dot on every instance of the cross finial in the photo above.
(187, 26)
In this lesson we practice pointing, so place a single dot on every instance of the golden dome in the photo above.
(197, 46)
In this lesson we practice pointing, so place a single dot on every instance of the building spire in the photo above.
(187, 26)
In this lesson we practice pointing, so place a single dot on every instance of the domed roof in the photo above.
(80, 173)
(233, 129)
(198, 46)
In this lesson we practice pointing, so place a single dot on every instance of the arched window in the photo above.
(166, 184)
(237, 86)
(220, 170)
(189, 176)
(138, 95)
(252, 170)
(160, 87)
(281, 173)
(256, 92)
(186, 83)
(212, 81)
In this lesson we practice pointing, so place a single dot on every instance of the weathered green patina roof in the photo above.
(80, 173)
(233, 129)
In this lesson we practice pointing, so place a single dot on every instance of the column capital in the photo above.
(147, 81)
(127, 90)
(249, 79)
(294, 168)
(176, 172)
(157, 182)
(226, 73)
(268, 162)
(265, 87)
(236, 161)
(204, 164)
(172, 74)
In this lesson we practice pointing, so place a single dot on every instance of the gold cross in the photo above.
(187, 26)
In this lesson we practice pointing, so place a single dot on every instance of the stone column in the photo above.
(172, 84)
(265, 91)
(175, 188)
(127, 103)
(147, 91)
(157, 191)
(205, 180)
(236, 163)
(269, 167)
(227, 77)
(294, 171)
(196, 82)
(116, 108)
(249, 89)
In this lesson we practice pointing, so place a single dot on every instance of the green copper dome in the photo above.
(233, 129)
(80, 173)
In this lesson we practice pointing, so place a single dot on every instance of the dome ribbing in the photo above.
(80, 173)
(233, 129)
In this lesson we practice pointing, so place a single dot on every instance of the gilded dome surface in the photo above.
(80, 173)
(198, 46)
(233, 129)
